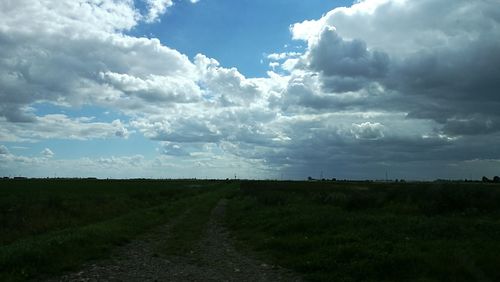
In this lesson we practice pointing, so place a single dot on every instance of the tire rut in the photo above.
(214, 258)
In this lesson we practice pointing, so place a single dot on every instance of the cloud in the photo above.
(156, 9)
(58, 126)
(47, 153)
(407, 85)
(4, 150)
(226, 86)
(368, 131)
(76, 54)
(332, 55)
(154, 88)
(429, 61)
(441, 52)
(173, 150)
(282, 56)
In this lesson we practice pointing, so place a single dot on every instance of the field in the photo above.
(50, 226)
(373, 232)
(323, 231)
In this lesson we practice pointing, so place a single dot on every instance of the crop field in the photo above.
(322, 231)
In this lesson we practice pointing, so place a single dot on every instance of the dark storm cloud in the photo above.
(334, 56)
(13, 113)
(345, 65)
(463, 81)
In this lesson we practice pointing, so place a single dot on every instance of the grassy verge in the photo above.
(67, 246)
(371, 232)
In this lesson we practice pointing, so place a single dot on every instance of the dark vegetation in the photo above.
(373, 231)
(324, 230)
(50, 226)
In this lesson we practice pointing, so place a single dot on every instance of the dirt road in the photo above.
(214, 258)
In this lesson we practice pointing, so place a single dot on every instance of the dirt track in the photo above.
(213, 259)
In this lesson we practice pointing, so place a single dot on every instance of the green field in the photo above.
(51, 226)
(373, 232)
(325, 231)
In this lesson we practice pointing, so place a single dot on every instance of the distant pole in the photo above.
(386, 176)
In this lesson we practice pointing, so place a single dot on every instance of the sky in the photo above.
(257, 89)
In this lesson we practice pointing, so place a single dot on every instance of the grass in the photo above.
(325, 231)
(372, 232)
(52, 226)
(31, 207)
(187, 232)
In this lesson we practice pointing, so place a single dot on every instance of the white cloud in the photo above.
(368, 130)
(47, 153)
(282, 56)
(227, 87)
(274, 65)
(154, 88)
(76, 16)
(95, 65)
(156, 9)
(381, 82)
(58, 126)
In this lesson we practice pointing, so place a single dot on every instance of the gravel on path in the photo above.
(213, 259)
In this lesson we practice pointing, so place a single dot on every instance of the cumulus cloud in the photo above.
(383, 83)
(59, 126)
(154, 88)
(75, 54)
(435, 53)
(173, 150)
(47, 153)
(282, 56)
(431, 61)
(226, 86)
(156, 8)
(368, 130)
(332, 55)
(4, 150)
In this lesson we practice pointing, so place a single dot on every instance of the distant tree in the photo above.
(496, 179)
(310, 178)
(485, 179)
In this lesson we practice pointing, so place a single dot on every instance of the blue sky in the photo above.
(224, 29)
(260, 89)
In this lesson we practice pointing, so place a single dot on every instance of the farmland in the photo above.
(322, 231)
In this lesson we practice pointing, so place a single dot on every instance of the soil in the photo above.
(213, 259)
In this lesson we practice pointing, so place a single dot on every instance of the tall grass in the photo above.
(51, 226)
(372, 231)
